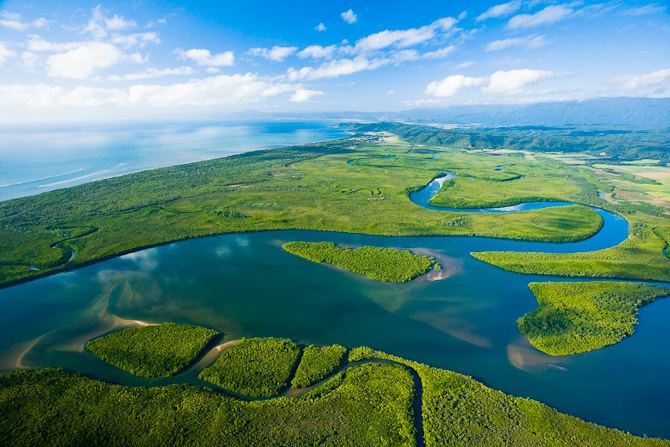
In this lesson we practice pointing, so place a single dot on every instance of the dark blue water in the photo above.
(246, 285)
(33, 161)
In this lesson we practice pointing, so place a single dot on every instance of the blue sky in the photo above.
(123, 60)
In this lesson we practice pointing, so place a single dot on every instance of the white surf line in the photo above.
(75, 179)
(7, 185)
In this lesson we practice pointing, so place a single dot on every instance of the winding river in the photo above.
(246, 285)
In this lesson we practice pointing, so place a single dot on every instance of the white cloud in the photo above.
(302, 95)
(499, 82)
(655, 82)
(335, 68)
(99, 25)
(223, 90)
(404, 38)
(465, 64)
(276, 53)
(514, 80)
(152, 73)
(37, 44)
(13, 21)
(646, 9)
(320, 27)
(5, 53)
(141, 39)
(83, 61)
(29, 60)
(550, 14)
(438, 54)
(118, 23)
(529, 42)
(205, 58)
(317, 52)
(451, 85)
(349, 16)
(501, 10)
(390, 92)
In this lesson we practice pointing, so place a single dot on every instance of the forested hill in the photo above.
(614, 144)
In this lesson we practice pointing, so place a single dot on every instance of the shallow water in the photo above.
(246, 285)
(33, 161)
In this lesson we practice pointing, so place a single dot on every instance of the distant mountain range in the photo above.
(625, 112)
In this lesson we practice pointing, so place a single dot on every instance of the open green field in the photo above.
(306, 187)
(576, 317)
(255, 367)
(378, 263)
(152, 351)
(377, 400)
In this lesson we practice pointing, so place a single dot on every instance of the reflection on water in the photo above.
(246, 285)
(522, 355)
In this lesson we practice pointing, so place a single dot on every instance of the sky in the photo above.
(81, 60)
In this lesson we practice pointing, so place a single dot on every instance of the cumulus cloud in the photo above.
(152, 73)
(514, 80)
(13, 21)
(501, 10)
(204, 58)
(451, 85)
(349, 16)
(276, 53)
(504, 82)
(223, 90)
(529, 42)
(320, 27)
(83, 61)
(550, 14)
(317, 52)
(302, 95)
(655, 82)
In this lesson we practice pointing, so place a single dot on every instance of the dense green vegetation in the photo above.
(378, 263)
(369, 405)
(255, 367)
(575, 317)
(617, 144)
(152, 351)
(317, 363)
(373, 403)
(458, 410)
(638, 257)
(308, 187)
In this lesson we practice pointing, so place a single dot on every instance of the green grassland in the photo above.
(378, 263)
(317, 363)
(306, 187)
(576, 317)
(523, 180)
(379, 399)
(255, 367)
(152, 351)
